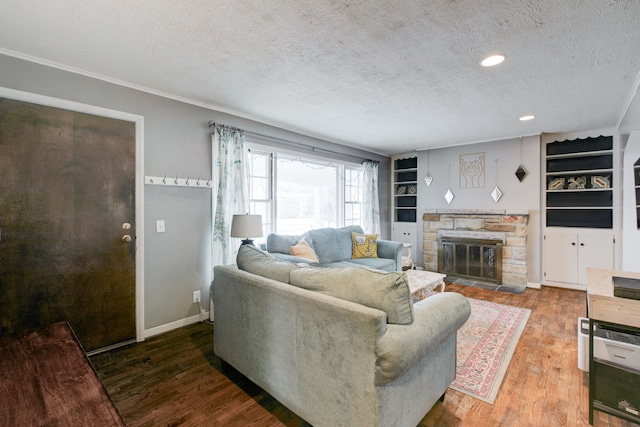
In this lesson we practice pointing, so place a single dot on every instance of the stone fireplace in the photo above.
(502, 229)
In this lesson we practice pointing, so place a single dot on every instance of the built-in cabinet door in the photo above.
(406, 232)
(568, 254)
(561, 257)
(595, 250)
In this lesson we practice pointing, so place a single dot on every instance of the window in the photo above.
(352, 196)
(295, 194)
(306, 195)
(260, 187)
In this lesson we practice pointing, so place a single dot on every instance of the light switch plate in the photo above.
(160, 226)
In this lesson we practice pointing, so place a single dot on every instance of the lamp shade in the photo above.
(246, 226)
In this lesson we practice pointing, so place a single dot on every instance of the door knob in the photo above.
(126, 238)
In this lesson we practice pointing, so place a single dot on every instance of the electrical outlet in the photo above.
(196, 296)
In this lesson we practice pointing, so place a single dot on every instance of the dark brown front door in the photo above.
(67, 186)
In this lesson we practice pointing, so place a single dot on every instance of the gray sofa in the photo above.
(333, 246)
(337, 346)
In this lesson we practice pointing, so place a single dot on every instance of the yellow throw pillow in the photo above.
(302, 249)
(364, 245)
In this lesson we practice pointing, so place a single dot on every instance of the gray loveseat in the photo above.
(337, 346)
(333, 246)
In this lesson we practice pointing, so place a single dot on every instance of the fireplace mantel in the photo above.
(501, 212)
(510, 226)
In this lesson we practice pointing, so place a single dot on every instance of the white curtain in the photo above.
(230, 190)
(371, 201)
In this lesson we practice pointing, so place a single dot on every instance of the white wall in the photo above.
(630, 135)
(631, 233)
(631, 119)
(516, 195)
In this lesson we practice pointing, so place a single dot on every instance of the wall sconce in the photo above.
(246, 226)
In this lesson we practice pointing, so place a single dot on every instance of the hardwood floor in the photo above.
(176, 380)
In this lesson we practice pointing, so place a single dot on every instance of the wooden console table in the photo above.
(603, 305)
(614, 386)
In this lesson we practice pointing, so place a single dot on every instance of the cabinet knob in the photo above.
(573, 243)
(581, 244)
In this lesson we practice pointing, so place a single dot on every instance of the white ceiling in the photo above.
(390, 76)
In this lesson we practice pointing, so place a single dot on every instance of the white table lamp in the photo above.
(246, 226)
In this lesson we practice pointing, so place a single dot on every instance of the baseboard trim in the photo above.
(167, 327)
(110, 347)
(533, 285)
(571, 286)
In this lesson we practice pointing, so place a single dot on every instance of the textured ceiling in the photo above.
(389, 76)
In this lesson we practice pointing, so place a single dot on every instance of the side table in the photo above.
(407, 260)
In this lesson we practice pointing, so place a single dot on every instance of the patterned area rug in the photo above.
(485, 346)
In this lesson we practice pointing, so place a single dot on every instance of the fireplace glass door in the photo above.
(472, 258)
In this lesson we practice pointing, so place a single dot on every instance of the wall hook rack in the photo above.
(177, 181)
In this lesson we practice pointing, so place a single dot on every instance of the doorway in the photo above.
(68, 222)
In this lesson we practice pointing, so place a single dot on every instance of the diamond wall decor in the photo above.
(428, 179)
(496, 194)
(521, 173)
(449, 196)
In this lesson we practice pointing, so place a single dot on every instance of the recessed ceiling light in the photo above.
(525, 118)
(492, 60)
